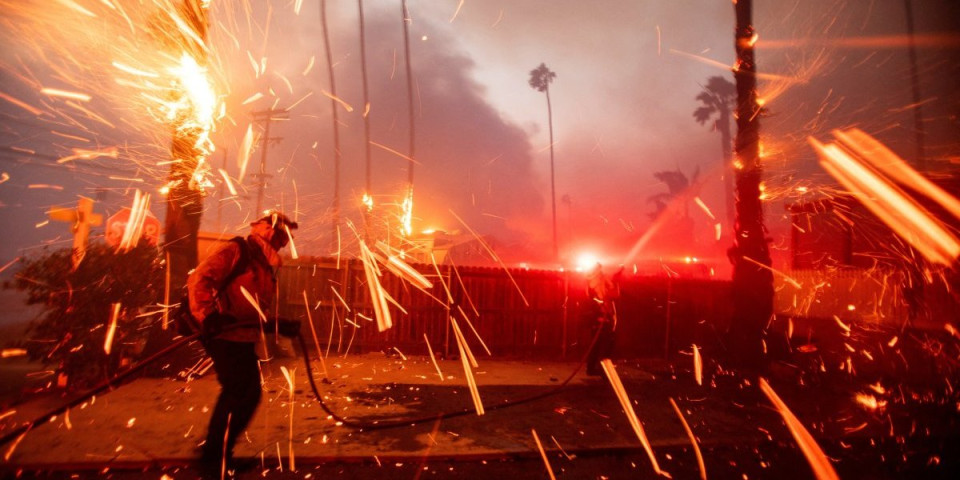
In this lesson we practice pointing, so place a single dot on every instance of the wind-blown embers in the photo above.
(870, 171)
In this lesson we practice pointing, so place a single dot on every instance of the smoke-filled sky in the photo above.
(627, 76)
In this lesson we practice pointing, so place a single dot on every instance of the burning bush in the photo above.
(91, 315)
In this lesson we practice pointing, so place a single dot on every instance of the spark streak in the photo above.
(492, 255)
(931, 40)
(474, 330)
(405, 157)
(432, 357)
(697, 366)
(29, 108)
(82, 154)
(55, 92)
(293, 247)
(785, 277)
(889, 203)
(227, 182)
(885, 160)
(543, 454)
(313, 331)
(111, 329)
(403, 269)
(11, 262)
(621, 393)
(459, 334)
(693, 439)
(377, 294)
(13, 446)
(254, 302)
(822, 468)
(467, 372)
(289, 376)
(133, 230)
(346, 106)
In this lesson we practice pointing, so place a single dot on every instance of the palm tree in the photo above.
(540, 79)
(366, 123)
(185, 197)
(678, 190)
(335, 221)
(719, 98)
(750, 254)
(672, 208)
(408, 199)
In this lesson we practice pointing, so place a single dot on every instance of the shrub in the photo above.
(77, 308)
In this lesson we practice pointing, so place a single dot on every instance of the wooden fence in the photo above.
(515, 313)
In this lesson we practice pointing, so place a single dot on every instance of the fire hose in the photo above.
(117, 378)
(429, 418)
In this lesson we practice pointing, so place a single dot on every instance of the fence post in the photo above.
(666, 336)
(566, 297)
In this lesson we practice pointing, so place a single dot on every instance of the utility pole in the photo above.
(337, 153)
(266, 116)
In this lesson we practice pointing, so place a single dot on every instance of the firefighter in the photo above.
(601, 293)
(231, 326)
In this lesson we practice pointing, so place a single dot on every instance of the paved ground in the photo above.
(150, 427)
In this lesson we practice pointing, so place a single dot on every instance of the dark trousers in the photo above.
(238, 373)
(602, 347)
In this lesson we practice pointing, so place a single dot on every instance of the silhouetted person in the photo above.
(601, 293)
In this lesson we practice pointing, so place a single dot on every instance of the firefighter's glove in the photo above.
(215, 323)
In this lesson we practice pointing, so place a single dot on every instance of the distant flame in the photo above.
(406, 215)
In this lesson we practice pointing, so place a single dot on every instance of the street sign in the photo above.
(82, 218)
(117, 223)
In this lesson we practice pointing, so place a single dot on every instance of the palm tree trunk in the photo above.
(335, 221)
(406, 51)
(553, 190)
(919, 131)
(185, 199)
(366, 120)
(752, 278)
(727, 140)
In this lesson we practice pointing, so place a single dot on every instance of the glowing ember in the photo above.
(621, 393)
(254, 303)
(289, 376)
(468, 373)
(377, 295)
(693, 439)
(697, 366)
(133, 229)
(869, 402)
(894, 207)
(12, 352)
(543, 454)
(111, 329)
(821, 465)
(432, 357)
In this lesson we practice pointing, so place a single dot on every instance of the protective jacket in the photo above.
(258, 279)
